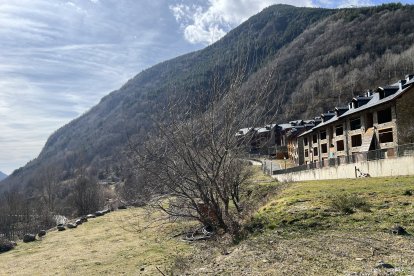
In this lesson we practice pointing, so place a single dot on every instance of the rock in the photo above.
(99, 213)
(41, 233)
(6, 245)
(142, 269)
(29, 238)
(398, 230)
(381, 265)
(61, 227)
(71, 225)
(90, 216)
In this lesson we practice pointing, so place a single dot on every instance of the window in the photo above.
(340, 145)
(356, 140)
(305, 141)
(315, 151)
(339, 130)
(355, 123)
(324, 148)
(385, 135)
(323, 135)
(306, 153)
(315, 138)
(384, 116)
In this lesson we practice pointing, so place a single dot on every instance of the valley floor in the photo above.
(294, 230)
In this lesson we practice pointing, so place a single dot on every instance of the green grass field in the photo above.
(307, 205)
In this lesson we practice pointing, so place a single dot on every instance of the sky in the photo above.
(58, 58)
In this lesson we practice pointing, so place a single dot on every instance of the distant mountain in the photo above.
(2, 176)
(318, 58)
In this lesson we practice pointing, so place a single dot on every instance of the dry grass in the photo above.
(106, 245)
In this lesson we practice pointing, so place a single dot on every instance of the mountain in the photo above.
(318, 58)
(2, 176)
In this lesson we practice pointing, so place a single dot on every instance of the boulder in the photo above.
(71, 225)
(398, 230)
(6, 245)
(61, 227)
(106, 211)
(41, 233)
(382, 265)
(29, 238)
(99, 213)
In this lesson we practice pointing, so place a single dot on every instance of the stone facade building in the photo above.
(376, 122)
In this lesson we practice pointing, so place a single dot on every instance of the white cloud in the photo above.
(207, 23)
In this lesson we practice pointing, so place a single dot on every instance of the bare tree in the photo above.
(193, 161)
(87, 194)
(48, 181)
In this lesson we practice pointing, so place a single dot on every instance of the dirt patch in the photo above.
(318, 253)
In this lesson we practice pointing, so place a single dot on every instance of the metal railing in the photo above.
(395, 152)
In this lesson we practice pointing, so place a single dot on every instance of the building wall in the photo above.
(405, 115)
(375, 168)
(406, 110)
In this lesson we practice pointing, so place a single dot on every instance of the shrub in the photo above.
(349, 203)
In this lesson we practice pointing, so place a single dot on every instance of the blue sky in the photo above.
(58, 58)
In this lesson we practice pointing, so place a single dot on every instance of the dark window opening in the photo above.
(356, 140)
(324, 148)
(315, 138)
(306, 153)
(305, 141)
(323, 135)
(315, 151)
(386, 135)
(356, 123)
(369, 120)
(339, 130)
(340, 145)
(384, 116)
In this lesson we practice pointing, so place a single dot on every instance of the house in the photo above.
(293, 147)
(375, 122)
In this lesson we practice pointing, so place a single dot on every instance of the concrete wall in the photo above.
(375, 168)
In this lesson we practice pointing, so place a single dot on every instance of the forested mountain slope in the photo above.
(317, 58)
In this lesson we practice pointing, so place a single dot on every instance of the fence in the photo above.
(398, 151)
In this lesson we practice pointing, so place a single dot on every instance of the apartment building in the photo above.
(378, 120)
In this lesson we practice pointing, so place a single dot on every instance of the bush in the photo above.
(349, 203)
(6, 245)
(408, 193)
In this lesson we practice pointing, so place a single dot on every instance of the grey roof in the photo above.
(374, 101)
(243, 131)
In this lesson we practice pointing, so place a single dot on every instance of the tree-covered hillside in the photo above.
(321, 55)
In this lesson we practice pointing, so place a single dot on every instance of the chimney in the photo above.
(401, 84)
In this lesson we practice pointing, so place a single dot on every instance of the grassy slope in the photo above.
(107, 245)
(301, 235)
